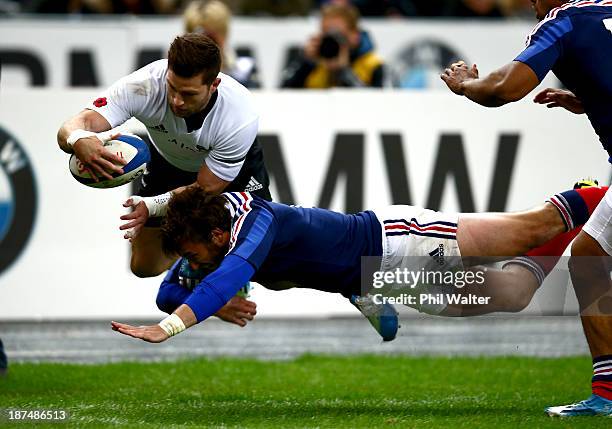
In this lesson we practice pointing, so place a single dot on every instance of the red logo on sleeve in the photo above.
(99, 102)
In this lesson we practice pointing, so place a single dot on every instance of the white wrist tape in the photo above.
(172, 325)
(80, 134)
(157, 206)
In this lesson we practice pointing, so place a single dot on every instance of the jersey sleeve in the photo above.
(219, 287)
(253, 230)
(171, 294)
(252, 236)
(545, 43)
(227, 156)
(125, 98)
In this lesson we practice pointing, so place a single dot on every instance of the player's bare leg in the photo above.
(507, 290)
(510, 234)
(590, 271)
(148, 259)
(590, 268)
(489, 237)
(507, 234)
(511, 288)
(481, 237)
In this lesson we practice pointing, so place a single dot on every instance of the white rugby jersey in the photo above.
(223, 140)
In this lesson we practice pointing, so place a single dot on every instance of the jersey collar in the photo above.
(195, 121)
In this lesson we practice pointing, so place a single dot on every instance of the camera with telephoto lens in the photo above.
(330, 44)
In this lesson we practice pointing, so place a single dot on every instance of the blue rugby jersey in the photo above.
(273, 242)
(575, 42)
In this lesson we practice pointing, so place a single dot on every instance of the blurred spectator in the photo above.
(433, 8)
(341, 55)
(135, 7)
(390, 8)
(55, 6)
(517, 8)
(9, 6)
(477, 9)
(213, 19)
(276, 7)
(368, 8)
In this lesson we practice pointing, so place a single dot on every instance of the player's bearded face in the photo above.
(207, 254)
(187, 96)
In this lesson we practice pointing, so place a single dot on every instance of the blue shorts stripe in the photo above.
(413, 220)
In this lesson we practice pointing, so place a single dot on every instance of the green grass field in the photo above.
(312, 391)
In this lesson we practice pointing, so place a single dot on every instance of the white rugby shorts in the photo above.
(599, 225)
(419, 239)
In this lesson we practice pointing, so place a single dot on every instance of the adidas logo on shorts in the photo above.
(438, 254)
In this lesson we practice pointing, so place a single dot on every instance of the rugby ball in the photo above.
(129, 147)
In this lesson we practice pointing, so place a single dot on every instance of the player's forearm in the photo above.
(171, 294)
(210, 182)
(71, 125)
(87, 120)
(211, 185)
(488, 92)
(157, 206)
(192, 312)
(183, 318)
(207, 181)
(211, 294)
(212, 189)
(187, 315)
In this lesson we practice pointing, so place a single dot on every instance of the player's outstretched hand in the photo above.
(238, 310)
(457, 74)
(98, 161)
(136, 219)
(150, 334)
(553, 97)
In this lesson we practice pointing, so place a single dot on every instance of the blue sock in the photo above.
(572, 208)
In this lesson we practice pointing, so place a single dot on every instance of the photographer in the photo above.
(341, 55)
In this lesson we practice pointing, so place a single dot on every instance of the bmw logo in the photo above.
(17, 199)
(419, 63)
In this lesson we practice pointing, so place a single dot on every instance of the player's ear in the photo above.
(215, 84)
(217, 237)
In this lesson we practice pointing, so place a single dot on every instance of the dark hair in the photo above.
(195, 53)
(192, 215)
